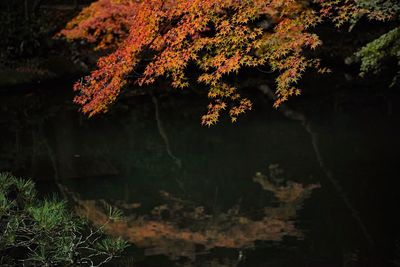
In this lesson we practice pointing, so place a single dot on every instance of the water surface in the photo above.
(312, 185)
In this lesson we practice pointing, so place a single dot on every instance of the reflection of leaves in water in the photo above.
(178, 227)
(289, 195)
(285, 191)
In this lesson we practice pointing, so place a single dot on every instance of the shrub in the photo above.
(44, 232)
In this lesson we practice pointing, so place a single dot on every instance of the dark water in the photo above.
(312, 185)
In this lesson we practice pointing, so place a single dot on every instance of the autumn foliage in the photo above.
(160, 38)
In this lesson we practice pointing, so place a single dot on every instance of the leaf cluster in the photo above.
(373, 54)
(161, 38)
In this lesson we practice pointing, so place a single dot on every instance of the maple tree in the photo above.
(162, 37)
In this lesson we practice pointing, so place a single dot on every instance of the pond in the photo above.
(315, 184)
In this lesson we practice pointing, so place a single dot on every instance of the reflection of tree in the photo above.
(163, 134)
(316, 144)
(290, 195)
(181, 228)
